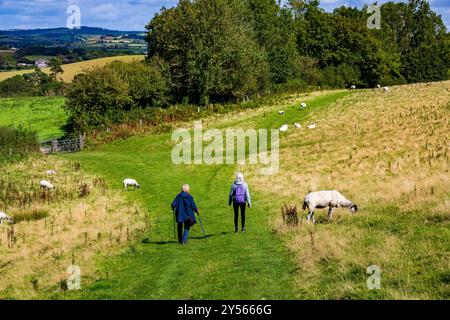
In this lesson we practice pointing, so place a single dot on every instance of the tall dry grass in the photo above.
(54, 229)
(388, 153)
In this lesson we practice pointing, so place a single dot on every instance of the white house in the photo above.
(41, 63)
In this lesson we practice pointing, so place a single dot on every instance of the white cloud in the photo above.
(126, 14)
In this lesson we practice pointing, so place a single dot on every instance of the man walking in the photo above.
(239, 196)
(184, 206)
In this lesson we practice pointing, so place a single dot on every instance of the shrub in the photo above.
(341, 76)
(147, 87)
(103, 96)
(16, 144)
(16, 86)
(31, 84)
(289, 214)
(84, 190)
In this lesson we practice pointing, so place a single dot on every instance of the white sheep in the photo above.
(378, 86)
(386, 89)
(312, 126)
(326, 199)
(4, 216)
(284, 128)
(130, 183)
(46, 185)
(303, 105)
(281, 112)
(297, 125)
(353, 87)
(51, 172)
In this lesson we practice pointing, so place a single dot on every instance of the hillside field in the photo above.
(387, 152)
(71, 70)
(45, 115)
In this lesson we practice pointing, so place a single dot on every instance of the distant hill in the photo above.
(59, 36)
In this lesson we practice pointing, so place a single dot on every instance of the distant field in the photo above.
(43, 114)
(71, 70)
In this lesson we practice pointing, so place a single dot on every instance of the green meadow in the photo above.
(363, 146)
(45, 115)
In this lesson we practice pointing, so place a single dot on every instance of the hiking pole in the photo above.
(201, 225)
(174, 224)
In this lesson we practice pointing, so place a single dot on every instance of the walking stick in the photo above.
(201, 225)
(174, 224)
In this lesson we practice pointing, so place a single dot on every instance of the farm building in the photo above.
(41, 63)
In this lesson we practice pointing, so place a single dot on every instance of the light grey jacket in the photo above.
(232, 192)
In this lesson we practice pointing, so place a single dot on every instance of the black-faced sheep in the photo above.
(326, 199)
(130, 183)
(46, 185)
(5, 217)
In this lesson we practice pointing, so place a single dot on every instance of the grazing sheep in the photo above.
(378, 86)
(326, 199)
(353, 87)
(312, 126)
(303, 105)
(297, 125)
(386, 89)
(284, 128)
(46, 185)
(4, 216)
(51, 172)
(130, 183)
(281, 112)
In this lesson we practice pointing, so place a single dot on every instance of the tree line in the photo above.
(217, 51)
(214, 50)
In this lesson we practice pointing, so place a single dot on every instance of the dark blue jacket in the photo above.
(185, 207)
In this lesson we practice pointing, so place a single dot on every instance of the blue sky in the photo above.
(123, 14)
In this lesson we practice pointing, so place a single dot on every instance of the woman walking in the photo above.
(239, 196)
(184, 206)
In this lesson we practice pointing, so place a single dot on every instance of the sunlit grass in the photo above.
(45, 115)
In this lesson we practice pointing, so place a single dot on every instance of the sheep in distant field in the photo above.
(303, 105)
(378, 86)
(326, 199)
(281, 112)
(297, 125)
(284, 128)
(51, 172)
(312, 126)
(353, 87)
(46, 185)
(130, 183)
(386, 89)
(4, 216)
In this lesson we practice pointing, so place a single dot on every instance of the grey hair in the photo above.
(239, 176)
(185, 188)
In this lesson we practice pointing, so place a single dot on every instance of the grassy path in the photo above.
(251, 265)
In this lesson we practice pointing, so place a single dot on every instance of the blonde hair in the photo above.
(185, 188)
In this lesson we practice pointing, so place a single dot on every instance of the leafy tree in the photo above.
(16, 86)
(94, 96)
(147, 87)
(274, 30)
(104, 95)
(55, 68)
(210, 50)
